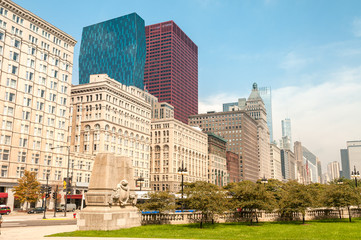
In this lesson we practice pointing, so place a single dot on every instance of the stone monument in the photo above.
(110, 200)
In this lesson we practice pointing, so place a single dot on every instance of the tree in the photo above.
(158, 201)
(316, 190)
(342, 195)
(296, 198)
(28, 188)
(252, 196)
(207, 198)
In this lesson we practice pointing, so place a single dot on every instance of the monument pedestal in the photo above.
(105, 218)
(111, 198)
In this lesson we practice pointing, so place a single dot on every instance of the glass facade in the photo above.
(265, 93)
(115, 47)
(226, 106)
(286, 130)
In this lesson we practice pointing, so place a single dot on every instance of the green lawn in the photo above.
(327, 229)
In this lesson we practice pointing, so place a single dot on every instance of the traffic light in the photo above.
(54, 195)
(47, 195)
(49, 189)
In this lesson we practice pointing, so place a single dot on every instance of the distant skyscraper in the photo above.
(286, 130)
(333, 170)
(226, 106)
(351, 157)
(345, 164)
(266, 95)
(311, 166)
(115, 47)
(171, 69)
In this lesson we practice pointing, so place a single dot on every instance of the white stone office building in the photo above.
(276, 167)
(35, 78)
(107, 116)
(175, 145)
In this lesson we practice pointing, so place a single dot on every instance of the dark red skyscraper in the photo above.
(171, 68)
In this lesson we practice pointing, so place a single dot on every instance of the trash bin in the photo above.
(74, 215)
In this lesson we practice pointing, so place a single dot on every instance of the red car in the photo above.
(5, 210)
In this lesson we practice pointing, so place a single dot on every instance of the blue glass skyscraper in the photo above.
(116, 47)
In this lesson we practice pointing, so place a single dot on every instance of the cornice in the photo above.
(26, 14)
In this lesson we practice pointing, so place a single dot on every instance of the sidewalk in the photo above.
(27, 233)
(38, 216)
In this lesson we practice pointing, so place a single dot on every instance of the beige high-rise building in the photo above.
(107, 116)
(333, 170)
(276, 169)
(288, 163)
(217, 169)
(257, 110)
(36, 73)
(300, 162)
(175, 145)
(240, 131)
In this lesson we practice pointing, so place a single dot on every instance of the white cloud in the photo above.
(214, 102)
(323, 116)
(356, 27)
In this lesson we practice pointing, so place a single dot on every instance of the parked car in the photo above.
(70, 207)
(5, 210)
(36, 210)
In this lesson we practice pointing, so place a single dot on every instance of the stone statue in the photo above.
(120, 194)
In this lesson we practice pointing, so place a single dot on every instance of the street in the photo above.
(16, 219)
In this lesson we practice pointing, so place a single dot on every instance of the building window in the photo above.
(4, 154)
(20, 172)
(22, 157)
(4, 171)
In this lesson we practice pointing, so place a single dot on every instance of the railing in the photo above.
(187, 217)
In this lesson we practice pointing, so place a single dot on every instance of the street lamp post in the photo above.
(140, 179)
(355, 174)
(46, 194)
(264, 180)
(182, 170)
(67, 177)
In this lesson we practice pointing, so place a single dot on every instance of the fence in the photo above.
(187, 217)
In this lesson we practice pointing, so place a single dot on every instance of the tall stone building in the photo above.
(240, 131)
(175, 145)
(36, 73)
(256, 109)
(300, 162)
(276, 166)
(107, 116)
(233, 166)
(217, 169)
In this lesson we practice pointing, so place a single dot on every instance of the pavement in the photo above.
(12, 230)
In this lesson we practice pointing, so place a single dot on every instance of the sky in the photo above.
(308, 52)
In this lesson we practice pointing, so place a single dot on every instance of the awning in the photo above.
(3, 195)
(75, 196)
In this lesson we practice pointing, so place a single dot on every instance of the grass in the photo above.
(318, 229)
